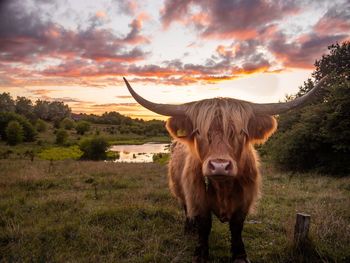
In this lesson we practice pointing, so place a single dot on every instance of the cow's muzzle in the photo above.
(220, 167)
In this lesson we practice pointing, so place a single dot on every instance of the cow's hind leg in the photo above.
(237, 246)
(203, 225)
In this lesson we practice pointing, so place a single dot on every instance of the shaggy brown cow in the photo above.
(214, 167)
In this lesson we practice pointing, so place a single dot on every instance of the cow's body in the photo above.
(214, 167)
(221, 128)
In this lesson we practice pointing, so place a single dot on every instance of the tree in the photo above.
(25, 107)
(41, 109)
(61, 136)
(51, 111)
(14, 132)
(94, 148)
(82, 127)
(58, 111)
(317, 137)
(41, 126)
(29, 131)
(7, 104)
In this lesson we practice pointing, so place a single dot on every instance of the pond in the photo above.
(139, 153)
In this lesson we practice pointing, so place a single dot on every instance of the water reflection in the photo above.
(139, 153)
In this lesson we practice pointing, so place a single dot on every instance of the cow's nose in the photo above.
(220, 167)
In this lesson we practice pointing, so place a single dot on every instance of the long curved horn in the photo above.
(280, 107)
(162, 109)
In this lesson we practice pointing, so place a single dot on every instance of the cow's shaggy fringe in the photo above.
(234, 114)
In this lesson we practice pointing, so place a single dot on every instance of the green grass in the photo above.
(80, 211)
(61, 153)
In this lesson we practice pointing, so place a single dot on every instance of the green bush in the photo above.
(41, 126)
(61, 136)
(67, 124)
(14, 133)
(82, 127)
(94, 148)
(29, 131)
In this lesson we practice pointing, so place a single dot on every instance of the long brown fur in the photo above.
(220, 121)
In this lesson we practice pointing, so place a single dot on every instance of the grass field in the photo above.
(80, 211)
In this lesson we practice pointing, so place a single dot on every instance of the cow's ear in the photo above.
(261, 127)
(179, 127)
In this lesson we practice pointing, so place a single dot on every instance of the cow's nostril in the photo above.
(211, 166)
(228, 166)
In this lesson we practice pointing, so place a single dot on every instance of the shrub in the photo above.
(29, 131)
(61, 136)
(82, 127)
(41, 126)
(94, 148)
(67, 124)
(14, 133)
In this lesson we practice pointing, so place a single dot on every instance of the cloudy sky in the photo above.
(171, 51)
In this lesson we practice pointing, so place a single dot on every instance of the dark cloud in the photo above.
(24, 37)
(174, 10)
(302, 52)
(241, 19)
(335, 20)
(225, 65)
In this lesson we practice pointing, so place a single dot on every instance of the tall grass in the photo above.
(81, 211)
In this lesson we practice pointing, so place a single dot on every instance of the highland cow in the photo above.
(214, 167)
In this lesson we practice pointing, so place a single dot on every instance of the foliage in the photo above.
(94, 148)
(120, 124)
(82, 126)
(25, 107)
(317, 137)
(112, 155)
(161, 158)
(61, 136)
(67, 123)
(14, 132)
(61, 153)
(29, 131)
(41, 126)
(51, 111)
(7, 104)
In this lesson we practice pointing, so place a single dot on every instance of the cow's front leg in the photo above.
(203, 225)
(190, 224)
(237, 246)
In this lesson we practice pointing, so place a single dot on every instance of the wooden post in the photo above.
(301, 229)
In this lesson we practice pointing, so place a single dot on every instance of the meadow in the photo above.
(85, 211)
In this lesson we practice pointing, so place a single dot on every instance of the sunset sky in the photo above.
(171, 51)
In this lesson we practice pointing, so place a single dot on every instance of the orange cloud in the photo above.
(100, 14)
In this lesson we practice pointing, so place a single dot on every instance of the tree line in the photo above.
(28, 118)
(317, 136)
